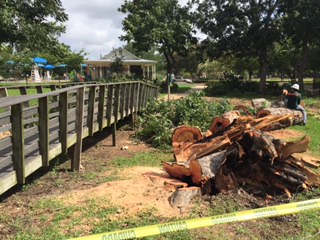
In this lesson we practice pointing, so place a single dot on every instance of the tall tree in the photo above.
(163, 24)
(34, 24)
(302, 25)
(243, 28)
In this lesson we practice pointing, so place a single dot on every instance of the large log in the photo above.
(221, 123)
(197, 150)
(297, 115)
(182, 137)
(207, 167)
(273, 122)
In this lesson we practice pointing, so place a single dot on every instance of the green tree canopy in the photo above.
(242, 28)
(301, 24)
(162, 24)
(33, 24)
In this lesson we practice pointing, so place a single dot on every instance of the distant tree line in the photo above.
(259, 36)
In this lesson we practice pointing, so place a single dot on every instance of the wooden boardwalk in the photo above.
(35, 129)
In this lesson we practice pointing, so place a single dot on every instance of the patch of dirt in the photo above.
(138, 192)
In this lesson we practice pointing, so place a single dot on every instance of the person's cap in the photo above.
(295, 86)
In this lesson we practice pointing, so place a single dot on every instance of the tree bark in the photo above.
(297, 115)
(303, 64)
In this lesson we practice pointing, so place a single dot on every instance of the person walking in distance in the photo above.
(293, 97)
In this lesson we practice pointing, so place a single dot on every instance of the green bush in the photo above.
(164, 87)
(161, 117)
(234, 85)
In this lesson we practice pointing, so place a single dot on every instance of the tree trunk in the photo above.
(263, 76)
(297, 115)
(303, 64)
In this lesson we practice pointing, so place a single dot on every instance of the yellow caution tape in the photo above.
(157, 229)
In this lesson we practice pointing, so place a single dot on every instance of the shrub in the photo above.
(161, 117)
(164, 87)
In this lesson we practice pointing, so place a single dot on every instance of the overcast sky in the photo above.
(94, 26)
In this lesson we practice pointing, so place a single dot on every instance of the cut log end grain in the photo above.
(182, 137)
(221, 123)
(186, 134)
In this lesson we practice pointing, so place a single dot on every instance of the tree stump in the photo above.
(182, 197)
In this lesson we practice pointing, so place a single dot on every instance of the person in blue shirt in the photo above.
(293, 98)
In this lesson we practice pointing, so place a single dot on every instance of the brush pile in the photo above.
(238, 151)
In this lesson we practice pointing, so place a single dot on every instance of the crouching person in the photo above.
(293, 98)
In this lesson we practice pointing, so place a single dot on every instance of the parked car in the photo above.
(187, 80)
(178, 79)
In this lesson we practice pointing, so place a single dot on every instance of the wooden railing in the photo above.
(36, 129)
(27, 89)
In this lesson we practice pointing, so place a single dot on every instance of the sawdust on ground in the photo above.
(138, 192)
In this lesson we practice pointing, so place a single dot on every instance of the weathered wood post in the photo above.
(115, 113)
(128, 98)
(122, 100)
(39, 89)
(23, 91)
(109, 104)
(4, 93)
(63, 122)
(91, 104)
(135, 103)
(18, 146)
(44, 130)
(102, 96)
(76, 161)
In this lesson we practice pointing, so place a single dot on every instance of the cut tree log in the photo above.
(274, 122)
(184, 136)
(197, 150)
(178, 170)
(221, 123)
(258, 146)
(297, 115)
(207, 167)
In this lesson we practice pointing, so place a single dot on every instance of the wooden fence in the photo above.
(35, 129)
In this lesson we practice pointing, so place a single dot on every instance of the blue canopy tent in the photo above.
(49, 67)
(40, 60)
(40, 65)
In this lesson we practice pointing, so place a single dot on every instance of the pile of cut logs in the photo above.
(238, 151)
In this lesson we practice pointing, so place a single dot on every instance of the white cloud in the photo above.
(94, 25)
